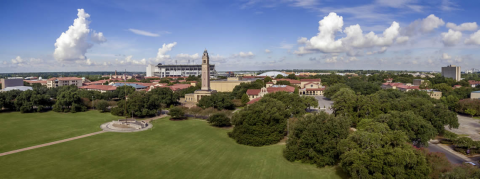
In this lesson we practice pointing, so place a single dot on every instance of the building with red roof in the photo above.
(256, 93)
(101, 88)
(64, 81)
(474, 83)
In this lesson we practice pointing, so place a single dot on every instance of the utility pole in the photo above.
(125, 89)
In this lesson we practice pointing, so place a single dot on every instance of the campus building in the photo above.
(475, 95)
(474, 83)
(228, 84)
(452, 71)
(11, 82)
(100, 88)
(193, 98)
(64, 81)
(258, 93)
(186, 70)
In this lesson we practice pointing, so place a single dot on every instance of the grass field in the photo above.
(172, 149)
(19, 130)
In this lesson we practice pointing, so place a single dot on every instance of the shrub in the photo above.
(219, 120)
(101, 105)
(177, 113)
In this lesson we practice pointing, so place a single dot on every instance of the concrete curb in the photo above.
(446, 147)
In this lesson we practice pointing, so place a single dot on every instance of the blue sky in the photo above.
(239, 35)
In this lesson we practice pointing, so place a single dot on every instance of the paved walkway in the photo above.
(51, 143)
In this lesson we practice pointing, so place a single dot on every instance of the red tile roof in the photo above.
(392, 84)
(273, 89)
(100, 87)
(254, 100)
(253, 91)
(315, 89)
(473, 82)
(174, 87)
(64, 78)
(408, 87)
(311, 80)
(290, 80)
(270, 82)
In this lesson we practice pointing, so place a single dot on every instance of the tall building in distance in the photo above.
(205, 71)
(452, 71)
(192, 98)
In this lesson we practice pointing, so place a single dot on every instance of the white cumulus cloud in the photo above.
(445, 56)
(426, 25)
(469, 26)
(451, 37)
(73, 44)
(326, 41)
(267, 51)
(474, 39)
(161, 55)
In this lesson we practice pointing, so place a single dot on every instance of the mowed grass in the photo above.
(19, 130)
(172, 149)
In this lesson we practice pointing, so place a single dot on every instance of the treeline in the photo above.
(46, 75)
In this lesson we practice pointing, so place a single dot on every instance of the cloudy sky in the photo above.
(67, 35)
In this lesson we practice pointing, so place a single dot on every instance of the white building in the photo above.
(177, 70)
(452, 71)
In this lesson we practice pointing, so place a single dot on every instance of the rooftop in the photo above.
(21, 88)
(100, 87)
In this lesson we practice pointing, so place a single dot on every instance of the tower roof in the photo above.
(205, 51)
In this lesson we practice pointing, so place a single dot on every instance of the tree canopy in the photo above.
(262, 123)
(314, 138)
(375, 151)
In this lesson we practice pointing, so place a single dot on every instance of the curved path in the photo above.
(51, 143)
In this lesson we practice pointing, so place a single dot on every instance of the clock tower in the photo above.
(205, 71)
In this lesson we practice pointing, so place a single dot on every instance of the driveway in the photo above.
(468, 126)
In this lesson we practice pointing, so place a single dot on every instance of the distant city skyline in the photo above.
(53, 36)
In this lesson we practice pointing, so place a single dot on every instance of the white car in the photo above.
(471, 163)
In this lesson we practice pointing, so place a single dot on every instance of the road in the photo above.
(451, 157)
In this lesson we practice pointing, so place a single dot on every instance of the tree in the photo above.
(451, 101)
(176, 113)
(292, 76)
(344, 102)
(414, 126)
(101, 105)
(443, 87)
(330, 91)
(218, 101)
(69, 101)
(296, 90)
(267, 79)
(283, 82)
(262, 123)
(219, 120)
(463, 171)
(314, 139)
(438, 162)
(426, 85)
(241, 89)
(294, 104)
(245, 99)
(471, 112)
(375, 151)
(165, 96)
(120, 91)
(279, 76)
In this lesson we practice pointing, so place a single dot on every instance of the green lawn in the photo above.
(19, 130)
(172, 149)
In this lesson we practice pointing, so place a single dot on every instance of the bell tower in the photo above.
(205, 71)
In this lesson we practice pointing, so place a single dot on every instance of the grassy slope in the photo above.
(172, 149)
(19, 130)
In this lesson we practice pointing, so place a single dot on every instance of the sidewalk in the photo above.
(51, 143)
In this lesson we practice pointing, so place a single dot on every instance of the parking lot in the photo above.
(324, 104)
